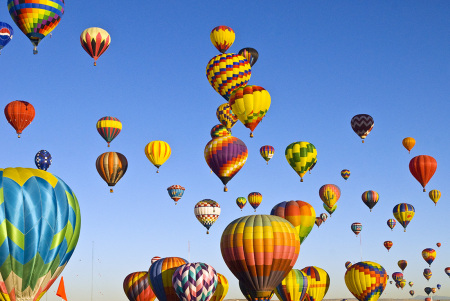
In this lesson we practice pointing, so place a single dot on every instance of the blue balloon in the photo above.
(43, 159)
(6, 34)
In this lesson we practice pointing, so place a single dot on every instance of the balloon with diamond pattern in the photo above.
(195, 281)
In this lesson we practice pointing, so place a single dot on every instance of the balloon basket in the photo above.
(35, 51)
(301, 179)
(225, 189)
(95, 63)
(111, 190)
(424, 190)
(251, 135)
(363, 141)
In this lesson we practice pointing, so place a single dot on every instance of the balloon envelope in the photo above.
(111, 166)
(370, 198)
(137, 287)
(329, 194)
(43, 160)
(160, 276)
(226, 116)
(293, 287)
(402, 264)
(434, 195)
(366, 280)
(318, 282)
(157, 152)
(221, 289)
(222, 37)
(404, 213)
(423, 168)
(345, 174)
(250, 54)
(362, 124)
(301, 156)
(409, 143)
(6, 34)
(19, 114)
(356, 228)
(207, 212)
(95, 41)
(195, 281)
(109, 127)
(391, 223)
(429, 255)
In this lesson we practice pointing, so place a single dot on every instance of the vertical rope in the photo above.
(92, 272)
(360, 244)
(189, 251)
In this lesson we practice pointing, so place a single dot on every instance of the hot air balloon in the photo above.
(137, 287)
(222, 37)
(397, 276)
(366, 280)
(19, 114)
(390, 282)
(111, 166)
(438, 244)
(160, 276)
(403, 213)
(318, 281)
(221, 289)
(195, 281)
(397, 284)
(246, 292)
(362, 124)
(36, 18)
(176, 192)
(254, 198)
(250, 54)
(226, 116)
(356, 228)
(391, 223)
(447, 271)
(267, 152)
(427, 290)
(438, 286)
(433, 290)
(207, 212)
(6, 34)
(423, 168)
(155, 258)
(300, 214)
(318, 222)
(370, 198)
(241, 201)
(434, 195)
(109, 127)
(411, 292)
(227, 72)
(270, 247)
(225, 156)
(323, 216)
(409, 143)
(402, 283)
(219, 131)
(43, 159)
(348, 264)
(345, 173)
(312, 167)
(329, 194)
(388, 244)
(301, 156)
(427, 274)
(41, 219)
(429, 255)
(328, 209)
(411, 283)
(293, 287)
(95, 42)
(157, 153)
(250, 104)
(402, 264)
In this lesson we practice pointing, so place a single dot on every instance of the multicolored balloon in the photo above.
(328, 209)
(411, 292)
(409, 143)
(137, 287)
(447, 271)
(207, 212)
(255, 199)
(221, 289)
(301, 156)
(362, 124)
(227, 72)
(411, 283)
(318, 281)
(41, 219)
(111, 166)
(429, 255)
(109, 127)
(157, 153)
(195, 281)
(345, 173)
(329, 194)
(391, 223)
(293, 287)
(348, 264)
(222, 37)
(241, 201)
(95, 42)
(434, 195)
(176, 192)
(226, 116)
(160, 276)
(356, 228)
(323, 216)
(250, 54)
(300, 214)
(404, 213)
(402, 284)
(366, 280)
(402, 264)
(267, 152)
(433, 290)
(36, 18)
(6, 34)
(260, 271)
(370, 198)
(19, 113)
(427, 274)
(388, 244)
(423, 168)
(43, 159)
(397, 276)
(219, 131)
(318, 222)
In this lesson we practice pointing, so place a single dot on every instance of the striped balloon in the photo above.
(194, 282)
(348, 264)
(293, 287)
(255, 199)
(109, 127)
(447, 271)
(362, 124)
(429, 255)
(267, 152)
(207, 212)
(329, 194)
(345, 173)
(391, 223)
(366, 280)
(160, 276)
(111, 166)
(221, 289)
(388, 244)
(434, 195)
(176, 192)
(251, 54)
(318, 222)
(318, 282)
(402, 264)
(328, 209)
(301, 156)
(427, 274)
(403, 213)
(241, 201)
(356, 228)
(226, 116)
(370, 198)
(137, 287)
(157, 153)
(423, 168)
(409, 143)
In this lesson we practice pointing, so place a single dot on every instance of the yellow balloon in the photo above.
(301, 156)
(221, 289)
(222, 37)
(157, 152)
(434, 195)
(366, 280)
(318, 281)
(409, 143)
(293, 287)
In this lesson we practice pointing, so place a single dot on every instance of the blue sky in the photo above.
(322, 62)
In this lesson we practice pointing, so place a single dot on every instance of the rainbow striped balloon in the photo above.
(255, 199)
(293, 287)
(345, 173)
(267, 152)
(391, 223)
(318, 281)
(370, 198)
(160, 276)
(366, 280)
(195, 281)
(137, 287)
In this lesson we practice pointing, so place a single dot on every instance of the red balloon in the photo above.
(423, 168)
(19, 114)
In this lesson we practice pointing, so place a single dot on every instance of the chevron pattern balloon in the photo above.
(137, 287)
(366, 280)
(195, 282)
(345, 174)
(40, 219)
(362, 124)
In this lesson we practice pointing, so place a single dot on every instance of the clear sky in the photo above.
(322, 62)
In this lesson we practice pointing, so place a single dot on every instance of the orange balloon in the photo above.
(423, 168)
(409, 143)
(19, 114)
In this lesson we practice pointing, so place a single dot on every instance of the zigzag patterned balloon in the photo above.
(362, 124)
(39, 225)
(195, 282)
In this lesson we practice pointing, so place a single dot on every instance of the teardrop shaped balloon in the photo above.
(221, 289)
(222, 37)
(388, 244)
(423, 168)
(402, 264)
(391, 223)
(207, 212)
(411, 292)
(195, 281)
(19, 114)
(176, 192)
(109, 127)
(328, 209)
(433, 290)
(36, 18)
(157, 153)
(43, 159)
(318, 222)
(227, 72)
(329, 194)
(370, 198)
(226, 116)
(427, 274)
(137, 287)
(241, 201)
(438, 244)
(255, 199)
(301, 156)
(403, 213)
(250, 54)
(409, 143)
(366, 280)
(356, 228)
(160, 276)
(250, 104)
(6, 34)
(427, 290)
(318, 281)
(293, 287)
(267, 152)
(402, 284)
(323, 217)
(434, 195)
(111, 166)
(362, 124)
(438, 286)
(447, 271)
(429, 255)
(345, 174)
(95, 42)
(397, 276)
(411, 283)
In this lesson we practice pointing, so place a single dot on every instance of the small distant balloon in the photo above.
(323, 216)
(402, 264)
(345, 174)
(176, 192)
(348, 264)
(241, 201)
(267, 152)
(447, 271)
(255, 199)
(356, 228)
(370, 198)
(318, 222)
(391, 223)
(207, 212)
(438, 244)
(19, 114)
(109, 127)
(157, 153)
(434, 195)
(250, 54)
(403, 213)
(43, 159)
(409, 143)
(388, 244)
